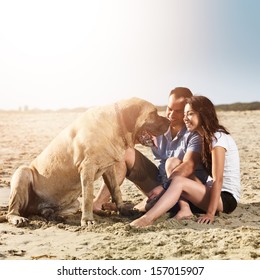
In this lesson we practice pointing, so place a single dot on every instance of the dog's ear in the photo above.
(130, 115)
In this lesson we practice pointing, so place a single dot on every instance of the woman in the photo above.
(220, 157)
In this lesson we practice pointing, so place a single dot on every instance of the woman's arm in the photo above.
(218, 161)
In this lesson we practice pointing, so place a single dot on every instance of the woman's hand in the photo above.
(206, 219)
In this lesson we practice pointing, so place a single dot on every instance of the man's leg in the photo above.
(144, 174)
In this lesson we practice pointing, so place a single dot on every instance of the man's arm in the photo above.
(187, 167)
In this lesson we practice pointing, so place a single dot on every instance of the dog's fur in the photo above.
(81, 153)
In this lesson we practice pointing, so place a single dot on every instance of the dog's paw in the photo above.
(127, 209)
(47, 212)
(87, 223)
(18, 221)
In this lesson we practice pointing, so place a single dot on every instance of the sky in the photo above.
(69, 54)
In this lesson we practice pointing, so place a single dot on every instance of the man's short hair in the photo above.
(181, 92)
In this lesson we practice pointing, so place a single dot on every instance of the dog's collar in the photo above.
(120, 124)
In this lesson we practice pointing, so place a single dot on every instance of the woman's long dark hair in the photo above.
(209, 123)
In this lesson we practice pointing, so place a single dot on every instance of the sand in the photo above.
(235, 236)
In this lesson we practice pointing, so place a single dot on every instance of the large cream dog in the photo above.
(81, 153)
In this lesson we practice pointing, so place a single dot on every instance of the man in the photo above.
(177, 150)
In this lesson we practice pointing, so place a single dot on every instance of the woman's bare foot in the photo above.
(141, 222)
(183, 215)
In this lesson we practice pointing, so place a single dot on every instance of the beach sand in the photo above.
(235, 236)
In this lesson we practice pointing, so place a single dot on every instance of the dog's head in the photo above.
(142, 120)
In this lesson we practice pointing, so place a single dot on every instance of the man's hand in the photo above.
(155, 192)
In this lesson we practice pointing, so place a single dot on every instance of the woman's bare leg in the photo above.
(193, 191)
(185, 211)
